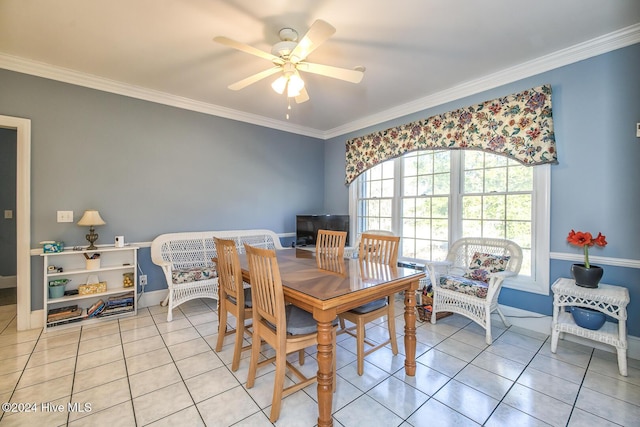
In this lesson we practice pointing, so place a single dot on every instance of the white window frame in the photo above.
(541, 204)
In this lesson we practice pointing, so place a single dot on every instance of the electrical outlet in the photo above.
(143, 280)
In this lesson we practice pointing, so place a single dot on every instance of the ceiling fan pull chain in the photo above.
(288, 107)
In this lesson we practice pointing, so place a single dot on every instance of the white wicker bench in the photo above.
(186, 260)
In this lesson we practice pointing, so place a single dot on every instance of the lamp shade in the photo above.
(91, 217)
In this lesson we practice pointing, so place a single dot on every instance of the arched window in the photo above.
(432, 196)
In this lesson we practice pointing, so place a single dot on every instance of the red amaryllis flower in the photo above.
(585, 240)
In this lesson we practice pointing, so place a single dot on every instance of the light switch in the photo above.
(8, 214)
(65, 216)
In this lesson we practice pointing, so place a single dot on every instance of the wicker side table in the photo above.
(609, 299)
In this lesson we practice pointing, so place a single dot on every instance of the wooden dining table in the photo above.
(326, 287)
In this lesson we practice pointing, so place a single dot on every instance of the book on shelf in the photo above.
(65, 309)
(119, 299)
(96, 308)
(116, 310)
(62, 318)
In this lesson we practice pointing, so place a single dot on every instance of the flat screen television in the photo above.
(307, 227)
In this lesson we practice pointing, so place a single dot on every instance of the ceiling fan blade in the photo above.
(247, 49)
(318, 33)
(353, 76)
(303, 97)
(254, 78)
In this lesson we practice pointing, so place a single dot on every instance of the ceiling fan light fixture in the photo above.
(279, 84)
(296, 84)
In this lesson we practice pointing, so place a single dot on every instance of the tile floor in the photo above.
(143, 371)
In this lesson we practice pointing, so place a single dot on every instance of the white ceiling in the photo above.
(417, 53)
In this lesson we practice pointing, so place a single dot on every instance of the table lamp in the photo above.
(91, 218)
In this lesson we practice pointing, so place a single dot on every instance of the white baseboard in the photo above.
(540, 323)
(152, 298)
(8, 282)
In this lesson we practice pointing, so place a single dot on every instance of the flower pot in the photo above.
(56, 291)
(588, 318)
(587, 277)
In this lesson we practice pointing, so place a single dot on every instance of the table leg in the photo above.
(410, 330)
(326, 347)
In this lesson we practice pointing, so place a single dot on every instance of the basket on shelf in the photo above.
(424, 314)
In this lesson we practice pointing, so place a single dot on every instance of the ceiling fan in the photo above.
(289, 58)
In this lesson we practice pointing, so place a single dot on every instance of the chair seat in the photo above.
(464, 285)
(247, 298)
(370, 306)
(188, 275)
(300, 322)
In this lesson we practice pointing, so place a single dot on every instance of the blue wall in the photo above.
(596, 185)
(151, 169)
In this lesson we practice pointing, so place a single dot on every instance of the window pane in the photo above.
(440, 229)
(410, 187)
(409, 227)
(425, 185)
(385, 208)
(388, 169)
(473, 159)
(471, 228)
(472, 207)
(375, 189)
(440, 207)
(494, 207)
(520, 178)
(423, 208)
(387, 188)
(493, 160)
(410, 165)
(519, 207)
(473, 181)
(423, 228)
(494, 229)
(441, 183)
(495, 179)
(408, 208)
(441, 161)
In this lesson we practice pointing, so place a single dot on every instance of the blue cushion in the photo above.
(300, 322)
(247, 298)
(370, 306)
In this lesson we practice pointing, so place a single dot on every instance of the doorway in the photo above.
(22, 217)
(8, 264)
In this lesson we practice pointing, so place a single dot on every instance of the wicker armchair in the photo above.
(475, 271)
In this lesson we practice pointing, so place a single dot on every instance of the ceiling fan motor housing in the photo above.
(289, 40)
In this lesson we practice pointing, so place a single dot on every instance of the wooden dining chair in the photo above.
(378, 249)
(234, 299)
(331, 243)
(285, 327)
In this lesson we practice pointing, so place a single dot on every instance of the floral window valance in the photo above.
(519, 126)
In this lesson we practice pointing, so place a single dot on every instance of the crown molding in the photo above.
(47, 71)
(594, 47)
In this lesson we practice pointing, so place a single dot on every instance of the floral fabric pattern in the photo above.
(193, 274)
(482, 265)
(477, 288)
(519, 126)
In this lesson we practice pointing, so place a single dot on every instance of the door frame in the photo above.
(23, 217)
